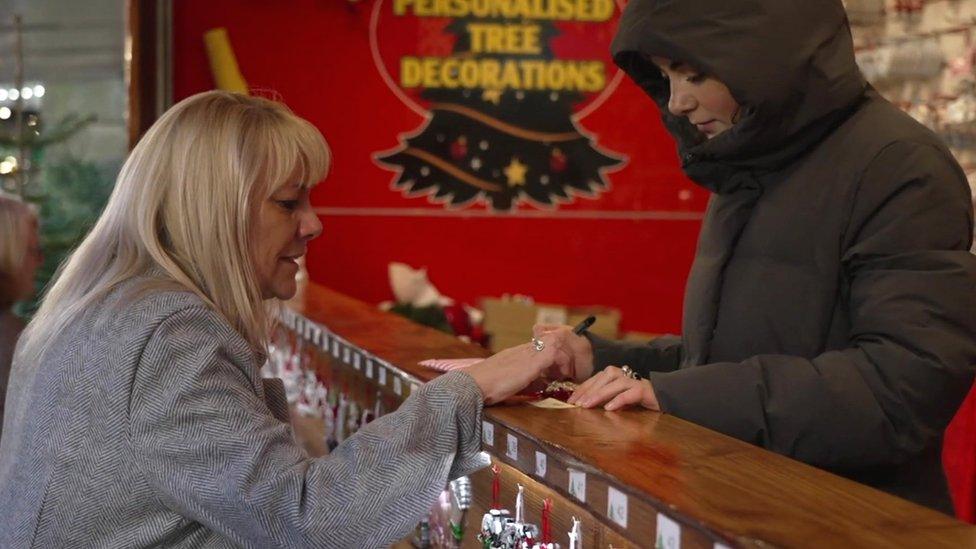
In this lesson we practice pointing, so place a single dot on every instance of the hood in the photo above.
(789, 64)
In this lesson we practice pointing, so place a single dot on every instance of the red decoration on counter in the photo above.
(495, 487)
(559, 390)
(459, 319)
(546, 526)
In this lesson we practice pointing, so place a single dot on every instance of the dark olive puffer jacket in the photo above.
(830, 313)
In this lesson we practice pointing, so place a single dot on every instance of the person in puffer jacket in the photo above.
(830, 312)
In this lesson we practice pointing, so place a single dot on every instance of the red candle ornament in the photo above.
(459, 148)
(557, 161)
(495, 487)
(546, 528)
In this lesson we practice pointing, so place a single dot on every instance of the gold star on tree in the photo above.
(515, 172)
(492, 96)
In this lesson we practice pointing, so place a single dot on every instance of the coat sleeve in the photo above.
(911, 298)
(213, 452)
(662, 354)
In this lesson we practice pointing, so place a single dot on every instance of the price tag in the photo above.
(541, 464)
(488, 433)
(381, 375)
(335, 347)
(511, 449)
(617, 506)
(369, 369)
(577, 485)
(668, 533)
(347, 355)
(397, 385)
(357, 361)
(414, 387)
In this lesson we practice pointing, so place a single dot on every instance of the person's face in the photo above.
(285, 223)
(703, 100)
(33, 258)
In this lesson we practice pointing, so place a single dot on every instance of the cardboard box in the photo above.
(510, 321)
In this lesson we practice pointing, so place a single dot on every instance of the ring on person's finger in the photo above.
(538, 344)
(629, 372)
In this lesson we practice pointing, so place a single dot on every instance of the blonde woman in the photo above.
(20, 256)
(138, 416)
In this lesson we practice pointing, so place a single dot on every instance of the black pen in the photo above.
(584, 325)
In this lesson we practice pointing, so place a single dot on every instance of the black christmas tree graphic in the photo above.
(516, 141)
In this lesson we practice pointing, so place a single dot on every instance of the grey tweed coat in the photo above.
(147, 424)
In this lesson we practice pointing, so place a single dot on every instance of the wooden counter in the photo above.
(665, 471)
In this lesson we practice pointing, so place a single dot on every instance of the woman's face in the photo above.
(284, 225)
(703, 100)
(33, 258)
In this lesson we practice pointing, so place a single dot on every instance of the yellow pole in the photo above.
(223, 65)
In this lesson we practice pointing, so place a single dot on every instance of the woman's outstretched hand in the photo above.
(511, 370)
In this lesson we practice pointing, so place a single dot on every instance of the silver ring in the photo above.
(629, 372)
(538, 344)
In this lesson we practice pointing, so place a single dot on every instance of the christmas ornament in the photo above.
(499, 530)
(457, 316)
(447, 518)
(576, 535)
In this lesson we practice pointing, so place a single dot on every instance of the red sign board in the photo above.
(370, 75)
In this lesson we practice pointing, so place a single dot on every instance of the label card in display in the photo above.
(617, 506)
(668, 533)
(488, 433)
(511, 448)
(577, 485)
(541, 464)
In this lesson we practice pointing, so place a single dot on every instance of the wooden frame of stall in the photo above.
(148, 63)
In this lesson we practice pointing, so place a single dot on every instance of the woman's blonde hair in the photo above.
(183, 204)
(17, 218)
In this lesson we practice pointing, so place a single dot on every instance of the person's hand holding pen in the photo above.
(574, 344)
(614, 387)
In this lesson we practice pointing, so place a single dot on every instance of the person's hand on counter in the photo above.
(615, 389)
(511, 370)
(577, 348)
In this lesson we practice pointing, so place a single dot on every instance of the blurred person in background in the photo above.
(20, 256)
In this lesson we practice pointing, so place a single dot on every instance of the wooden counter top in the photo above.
(718, 489)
